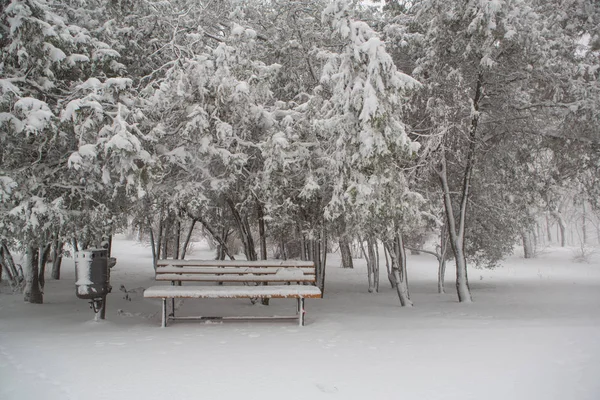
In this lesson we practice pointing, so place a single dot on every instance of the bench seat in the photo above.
(234, 292)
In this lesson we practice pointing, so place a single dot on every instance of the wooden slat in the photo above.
(236, 263)
(241, 296)
(228, 270)
(234, 278)
(214, 292)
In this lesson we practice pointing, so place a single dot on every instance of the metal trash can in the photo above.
(92, 273)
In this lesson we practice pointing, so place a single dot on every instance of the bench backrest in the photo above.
(277, 271)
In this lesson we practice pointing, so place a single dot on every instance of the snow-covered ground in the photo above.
(532, 333)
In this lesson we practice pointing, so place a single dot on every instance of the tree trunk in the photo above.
(8, 263)
(5, 270)
(43, 259)
(283, 251)
(262, 240)
(177, 238)
(165, 238)
(245, 232)
(371, 255)
(220, 249)
(304, 253)
(583, 222)
(57, 250)
(527, 245)
(152, 244)
(457, 233)
(369, 264)
(262, 237)
(376, 266)
(388, 268)
(160, 235)
(442, 259)
(215, 236)
(251, 255)
(346, 253)
(323, 259)
(562, 229)
(32, 292)
(457, 236)
(397, 254)
(548, 230)
(441, 275)
(188, 237)
(462, 280)
(317, 250)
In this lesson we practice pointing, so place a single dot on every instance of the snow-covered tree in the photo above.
(485, 66)
(46, 62)
(360, 119)
(209, 114)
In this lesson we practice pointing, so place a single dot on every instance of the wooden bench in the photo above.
(234, 279)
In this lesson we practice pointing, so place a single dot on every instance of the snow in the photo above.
(83, 272)
(178, 153)
(119, 83)
(237, 30)
(532, 333)
(250, 33)
(7, 86)
(75, 160)
(54, 54)
(242, 87)
(289, 273)
(30, 104)
(195, 291)
(87, 150)
(123, 140)
(100, 54)
(91, 83)
(73, 59)
(7, 184)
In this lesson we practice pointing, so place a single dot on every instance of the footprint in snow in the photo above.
(325, 388)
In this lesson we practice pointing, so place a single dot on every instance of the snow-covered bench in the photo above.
(234, 279)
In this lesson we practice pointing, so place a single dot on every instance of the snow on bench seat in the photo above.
(204, 292)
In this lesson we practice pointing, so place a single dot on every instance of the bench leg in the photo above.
(301, 311)
(173, 301)
(164, 313)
